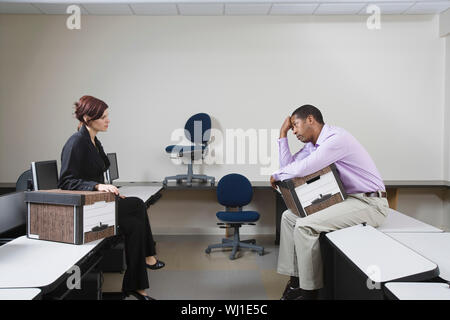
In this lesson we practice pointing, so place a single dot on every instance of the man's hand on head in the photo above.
(285, 127)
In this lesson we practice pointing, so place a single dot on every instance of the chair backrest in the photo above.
(25, 181)
(14, 211)
(198, 128)
(234, 190)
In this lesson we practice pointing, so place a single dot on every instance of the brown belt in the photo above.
(379, 194)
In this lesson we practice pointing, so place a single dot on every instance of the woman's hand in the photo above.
(107, 188)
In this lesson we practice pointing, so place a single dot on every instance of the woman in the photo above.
(83, 163)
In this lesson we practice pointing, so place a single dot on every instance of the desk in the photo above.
(399, 222)
(433, 246)
(393, 186)
(42, 264)
(418, 290)
(280, 207)
(20, 294)
(143, 192)
(29, 263)
(376, 257)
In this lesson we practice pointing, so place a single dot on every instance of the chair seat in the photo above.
(238, 216)
(178, 148)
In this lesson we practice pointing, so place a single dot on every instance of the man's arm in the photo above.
(332, 150)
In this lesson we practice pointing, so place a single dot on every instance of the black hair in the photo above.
(304, 111)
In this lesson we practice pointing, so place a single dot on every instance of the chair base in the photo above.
(189, 177)
(184, 177)
(236, 244)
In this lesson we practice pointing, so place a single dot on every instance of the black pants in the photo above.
(135, 227)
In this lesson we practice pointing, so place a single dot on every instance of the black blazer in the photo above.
(82, 164)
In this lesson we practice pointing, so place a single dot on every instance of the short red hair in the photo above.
(91, 107)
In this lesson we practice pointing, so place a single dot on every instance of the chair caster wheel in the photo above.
(208, 251)
(232, 257)
(261, 253)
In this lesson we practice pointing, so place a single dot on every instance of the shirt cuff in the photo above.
(90, 185)
(276, 176)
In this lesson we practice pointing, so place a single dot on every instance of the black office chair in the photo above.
(198, 131)
(25, 181)
(18, 209)
(235, 191)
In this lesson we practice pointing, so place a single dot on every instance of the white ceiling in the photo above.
(222, 7)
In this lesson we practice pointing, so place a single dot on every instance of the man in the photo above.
(299, 255)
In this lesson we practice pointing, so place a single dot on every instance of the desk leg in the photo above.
(392, 197)
(280, 207)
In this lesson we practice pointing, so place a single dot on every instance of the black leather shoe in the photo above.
(138, 296)
(291, 293)
(158, 265)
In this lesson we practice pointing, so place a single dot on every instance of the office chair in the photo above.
(25, 181)
(235, 191)
(198, 131)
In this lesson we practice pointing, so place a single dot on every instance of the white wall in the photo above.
(386, 86)
(447, 110)
(445, 31)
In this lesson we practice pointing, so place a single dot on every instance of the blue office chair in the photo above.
(198, 131)
(235, 191)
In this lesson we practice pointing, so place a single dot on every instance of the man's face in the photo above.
(302, 129)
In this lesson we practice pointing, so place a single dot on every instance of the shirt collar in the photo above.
(323, 135)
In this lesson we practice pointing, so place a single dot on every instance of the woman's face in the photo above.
(100, 124)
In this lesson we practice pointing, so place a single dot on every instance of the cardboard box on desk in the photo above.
(75, 217)
(315, 192)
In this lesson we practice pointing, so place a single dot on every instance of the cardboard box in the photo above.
(315, 192)
(75, 217)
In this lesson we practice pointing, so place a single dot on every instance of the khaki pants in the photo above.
(299, 253)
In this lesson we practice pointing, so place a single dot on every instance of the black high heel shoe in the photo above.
(138, 296)
(158, 265)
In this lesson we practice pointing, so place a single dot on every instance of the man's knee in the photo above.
(305, 226)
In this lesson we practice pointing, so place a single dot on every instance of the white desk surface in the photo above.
(399, 222)
(29, 263)
(419, 290)
(377, 255)
(433, 246)
(19, 294)
(142, 192)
